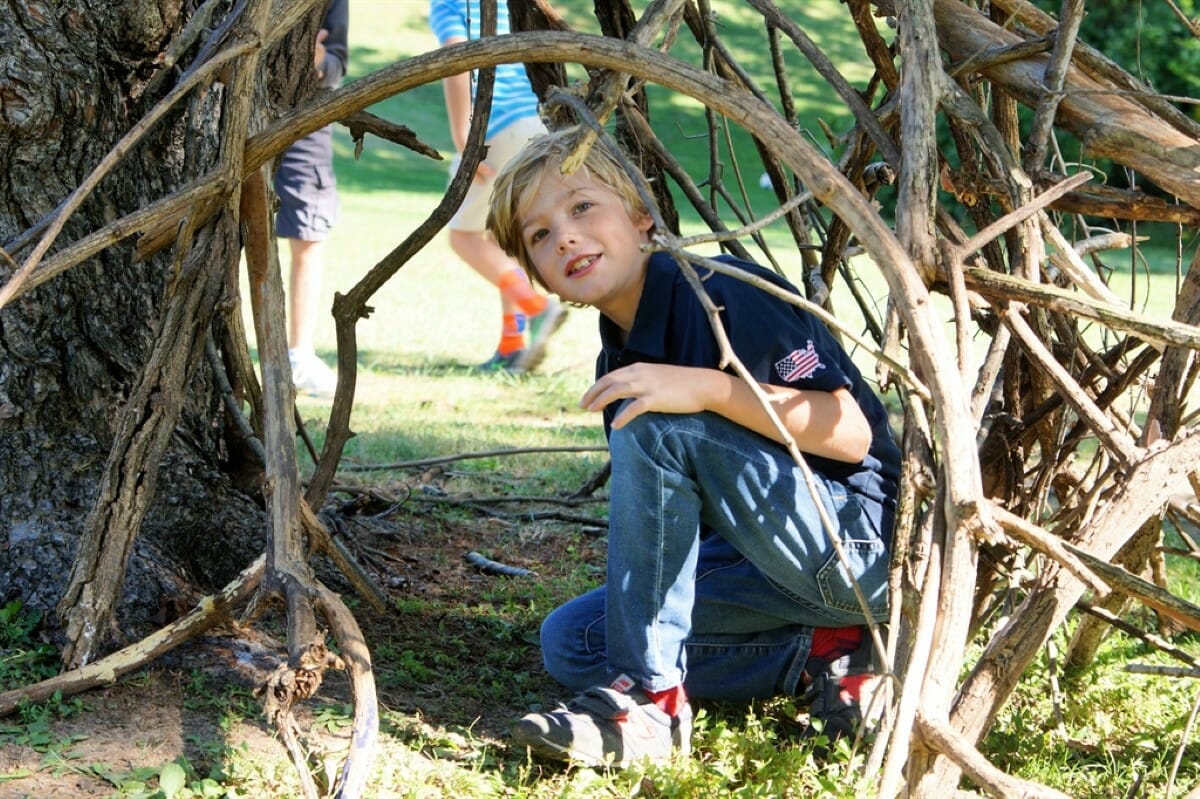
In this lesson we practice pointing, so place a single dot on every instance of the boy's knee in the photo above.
(646, 426)
(560, 662)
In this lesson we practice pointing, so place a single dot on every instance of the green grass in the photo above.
(1117, 727)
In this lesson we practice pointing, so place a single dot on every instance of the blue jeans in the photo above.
(730, 613)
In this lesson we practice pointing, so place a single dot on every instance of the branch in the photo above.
(1108, 126)
(1147, 638)
(462, 456)
(357, 657)
(1116, 441)
(208, 613)
(361, 123)
(1049, 545)
(489, 566)
(1014, 218)
(1056, 76)
(1001, 287)
(352, 306)
(1147, 593)
(613, 85)
(941, 737)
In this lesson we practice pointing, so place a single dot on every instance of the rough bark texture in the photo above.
(71, 351)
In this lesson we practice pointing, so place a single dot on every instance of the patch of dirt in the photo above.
(446, 639)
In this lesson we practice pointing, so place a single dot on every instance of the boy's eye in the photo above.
(537, 236)
(582, 205)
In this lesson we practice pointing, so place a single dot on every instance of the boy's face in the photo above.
(585, 245)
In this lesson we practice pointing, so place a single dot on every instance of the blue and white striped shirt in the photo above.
(512, 98)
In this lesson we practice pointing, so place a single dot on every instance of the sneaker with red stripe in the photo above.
(615, 727)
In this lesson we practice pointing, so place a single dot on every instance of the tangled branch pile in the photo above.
(1062, 448)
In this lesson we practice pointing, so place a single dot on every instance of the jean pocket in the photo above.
(866, 561)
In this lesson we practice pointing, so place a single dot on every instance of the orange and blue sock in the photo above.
(512, 334)
(516, 288)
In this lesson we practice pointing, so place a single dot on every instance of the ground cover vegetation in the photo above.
(429, 476)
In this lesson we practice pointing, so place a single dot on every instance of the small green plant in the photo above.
(16, 624)
(333, 718)
(22, 659)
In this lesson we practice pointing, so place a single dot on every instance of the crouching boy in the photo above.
(722, 581)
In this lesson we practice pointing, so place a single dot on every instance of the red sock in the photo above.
(671, 701)
(830, 643)
(515, 286)
(512, 334)
(852, 686)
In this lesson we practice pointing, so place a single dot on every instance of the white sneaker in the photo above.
(311, 376)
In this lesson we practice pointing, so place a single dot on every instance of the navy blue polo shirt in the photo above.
(778, 343)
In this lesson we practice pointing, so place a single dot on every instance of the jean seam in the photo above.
(660, 533)
(833, 562)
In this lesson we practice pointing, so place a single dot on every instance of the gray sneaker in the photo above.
(606, 727)
(541, 328)
(839, 691)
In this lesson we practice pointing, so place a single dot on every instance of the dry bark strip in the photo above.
(288, 574)
(208, 613)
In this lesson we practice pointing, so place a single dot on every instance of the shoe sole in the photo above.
(536, 741)
(552, 751)
(494, 368)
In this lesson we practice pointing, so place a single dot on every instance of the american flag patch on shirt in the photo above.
(799, 364)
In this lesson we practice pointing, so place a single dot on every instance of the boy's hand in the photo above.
(319, 53)
(657, 387)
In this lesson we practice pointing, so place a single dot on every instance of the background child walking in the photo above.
(528, 317)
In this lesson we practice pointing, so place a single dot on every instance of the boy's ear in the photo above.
(643, 221)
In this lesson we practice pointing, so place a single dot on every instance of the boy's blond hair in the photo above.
(521, 177)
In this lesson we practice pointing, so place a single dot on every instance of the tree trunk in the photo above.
(72, 354)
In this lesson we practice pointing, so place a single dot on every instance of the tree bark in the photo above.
(73, 355)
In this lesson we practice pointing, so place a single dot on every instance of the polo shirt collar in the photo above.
(649, 334)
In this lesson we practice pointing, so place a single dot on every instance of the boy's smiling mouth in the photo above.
(580, 264)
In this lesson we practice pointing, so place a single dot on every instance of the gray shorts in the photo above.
(308, 201)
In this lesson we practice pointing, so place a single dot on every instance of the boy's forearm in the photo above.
(821, 423)
(457, 89)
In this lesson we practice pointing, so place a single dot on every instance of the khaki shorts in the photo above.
(472, 214)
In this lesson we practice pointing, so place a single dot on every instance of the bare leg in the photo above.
(309, 373)
(517, 294)
(304, 296)
(483, 254)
